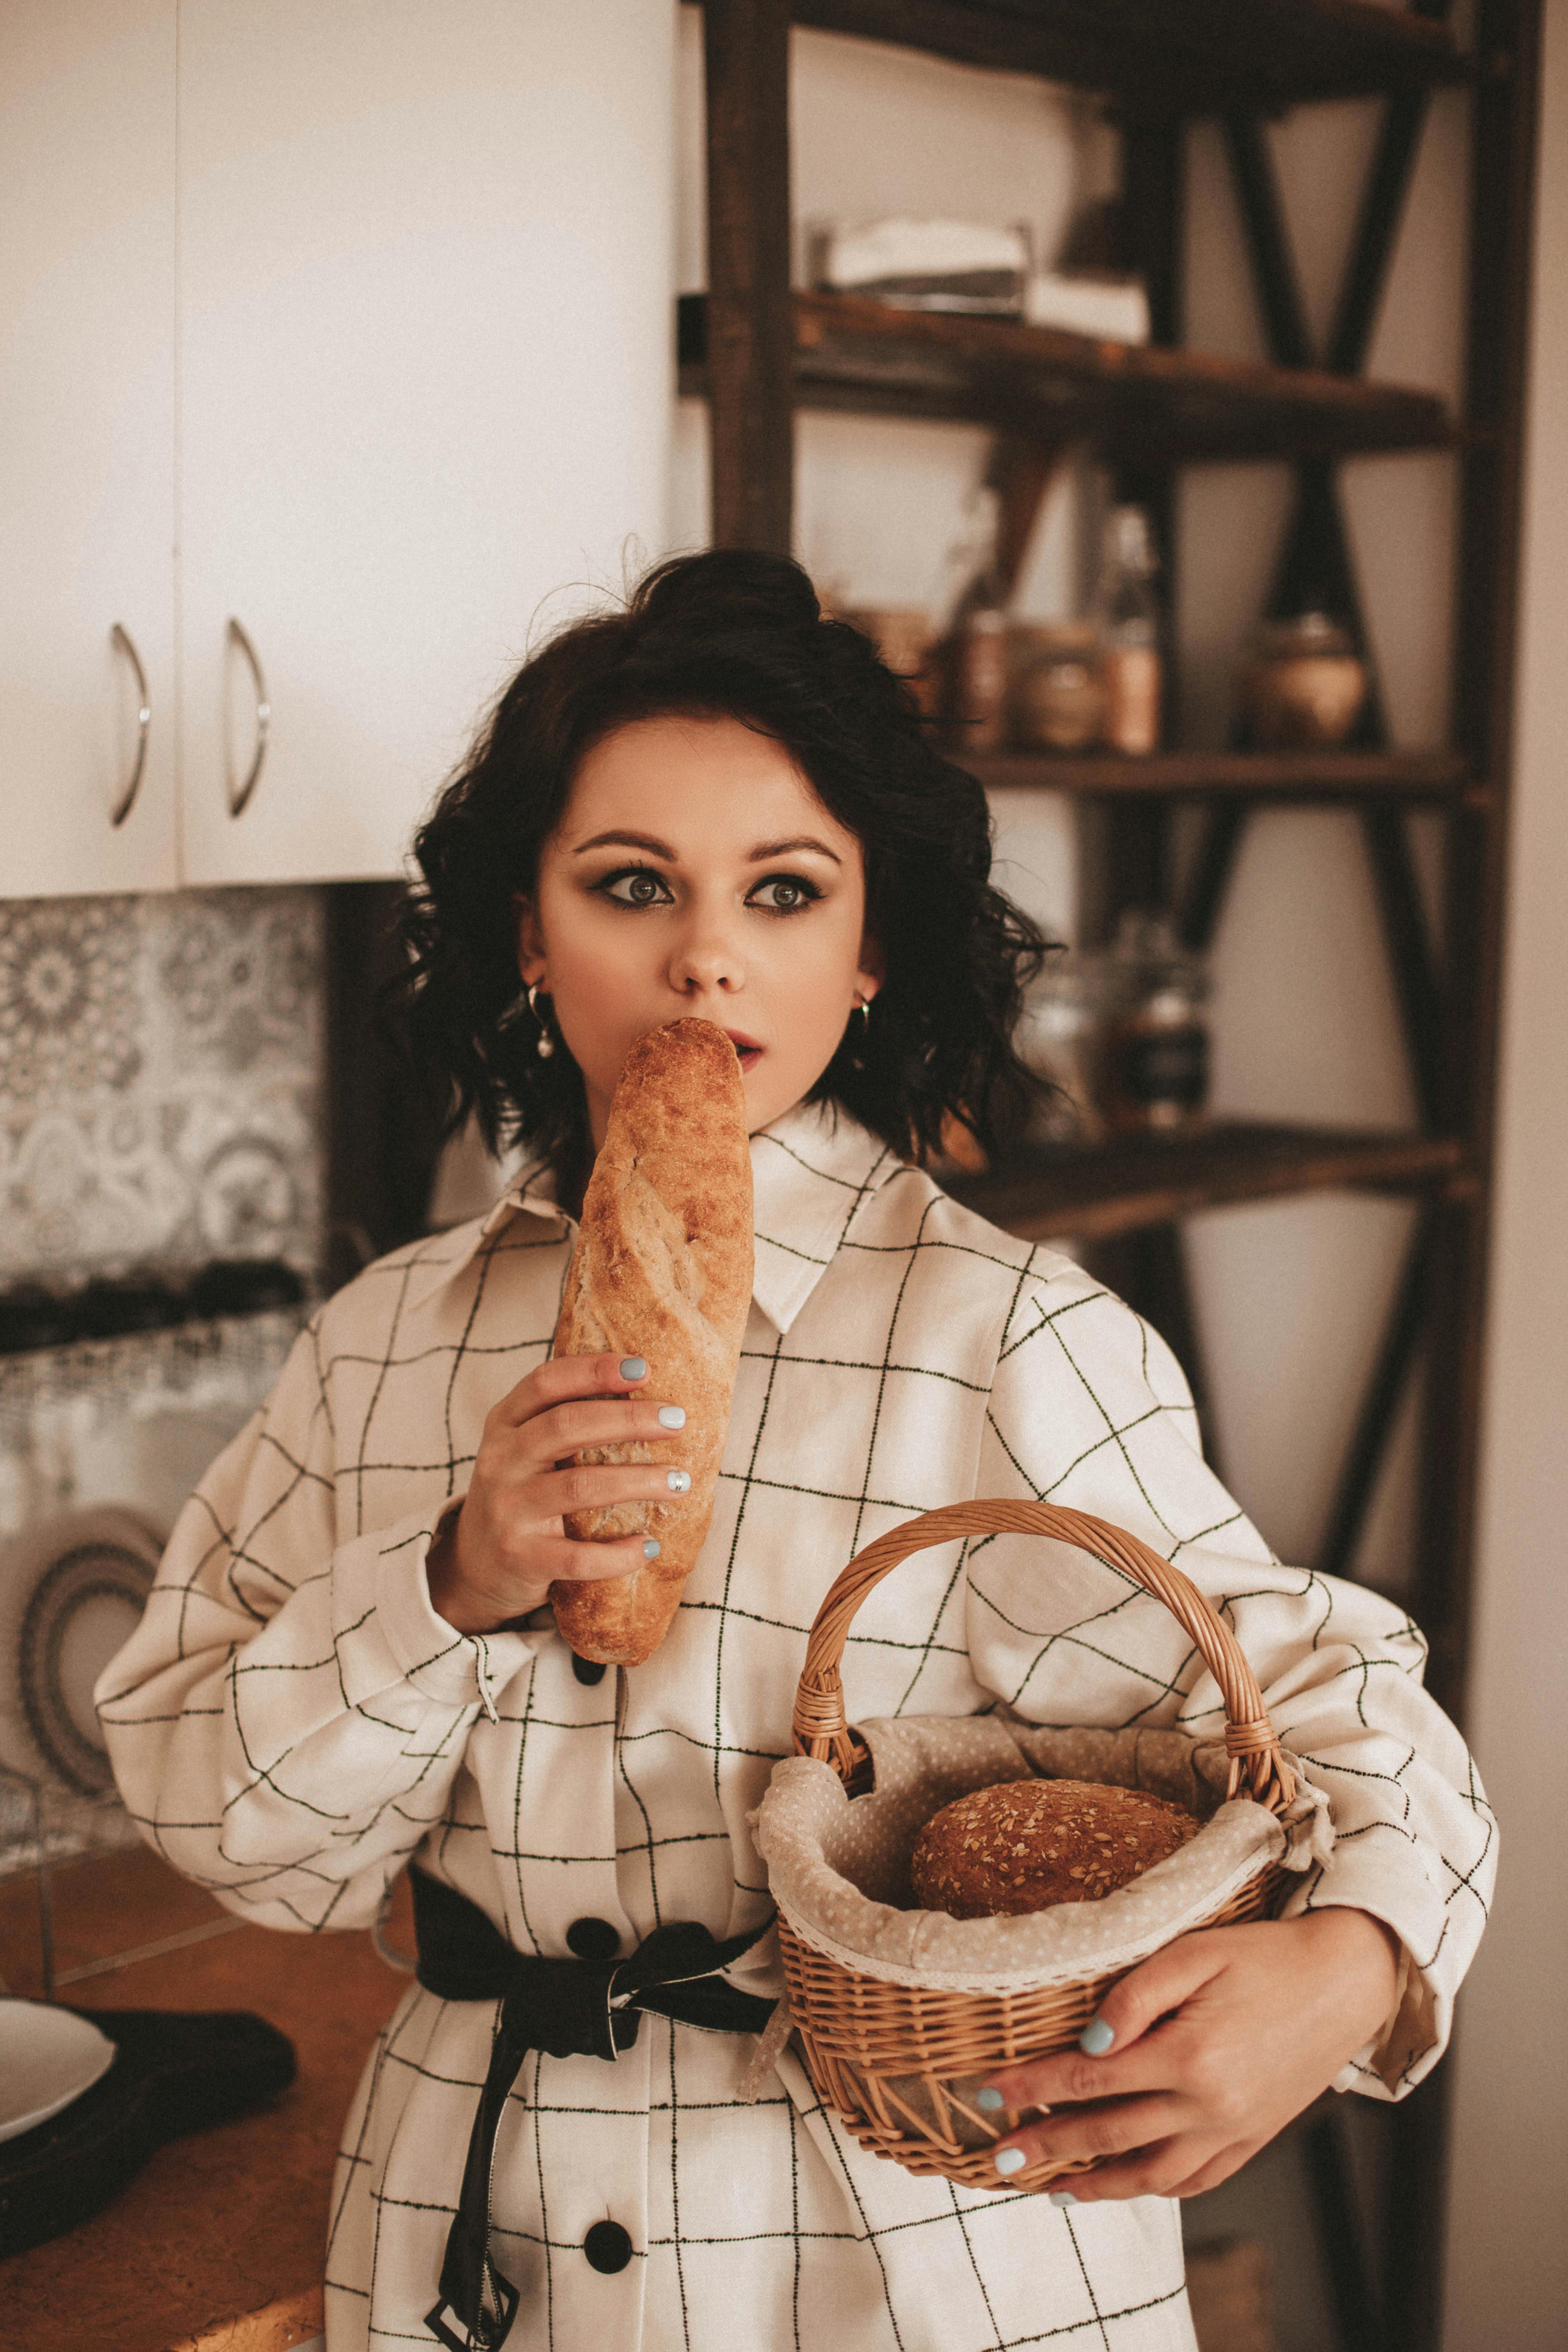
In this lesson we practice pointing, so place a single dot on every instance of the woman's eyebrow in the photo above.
(766, 849)
(621, 840)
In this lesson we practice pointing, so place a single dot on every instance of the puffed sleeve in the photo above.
(1090, 1410)
(289, 1714)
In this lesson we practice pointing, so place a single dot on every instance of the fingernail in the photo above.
(633, 1368)
(990, 2101)
(652, 1548)
(1062, 2196)
(1010, 2159)
(1095, 2038)
(679, 1481)
(672, 1416)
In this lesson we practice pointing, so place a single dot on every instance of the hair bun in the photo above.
(729, 588)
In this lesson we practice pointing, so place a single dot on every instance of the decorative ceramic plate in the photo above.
(78, 1580)
(47, 2058)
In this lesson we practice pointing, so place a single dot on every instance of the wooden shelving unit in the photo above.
(756, 349)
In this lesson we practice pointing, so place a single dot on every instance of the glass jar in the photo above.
(980, 679)
(1306, 685)
(1059, 1037)
(1154, 1066)
(1059, 701)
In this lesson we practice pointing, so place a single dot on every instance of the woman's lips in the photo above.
(747, 1049)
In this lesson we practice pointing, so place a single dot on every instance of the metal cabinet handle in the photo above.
(237, 800)
(120, 637)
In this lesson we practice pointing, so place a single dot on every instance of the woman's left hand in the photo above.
(1217, 2041)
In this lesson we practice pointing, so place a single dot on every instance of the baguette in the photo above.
(662, 1269)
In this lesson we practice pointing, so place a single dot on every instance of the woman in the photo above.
(717, 803)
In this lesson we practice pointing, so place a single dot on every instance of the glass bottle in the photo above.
(1128, 615)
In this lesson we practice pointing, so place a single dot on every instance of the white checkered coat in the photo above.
(293, 1721)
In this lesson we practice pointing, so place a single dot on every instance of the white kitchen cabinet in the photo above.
(426, 291)
(405, 279)
(87, 443)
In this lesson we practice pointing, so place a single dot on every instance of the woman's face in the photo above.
(696, 872)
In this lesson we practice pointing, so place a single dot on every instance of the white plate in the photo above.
(47, 2058)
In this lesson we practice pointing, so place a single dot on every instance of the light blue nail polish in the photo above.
(679, 1482)
(652, 1548)
(1095, 2038)
(1062, 2196)
(990, 2101)
(1010, 2159)
(633, 1368)
(672, 1416)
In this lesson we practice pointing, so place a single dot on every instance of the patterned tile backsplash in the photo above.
(160, 1081)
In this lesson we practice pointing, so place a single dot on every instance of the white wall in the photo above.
(1508, 2271)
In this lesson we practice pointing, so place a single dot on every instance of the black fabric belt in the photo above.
(568, 2009)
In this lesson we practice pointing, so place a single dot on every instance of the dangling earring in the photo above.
(863, 1008)
(856, 1052)
(545, 1044)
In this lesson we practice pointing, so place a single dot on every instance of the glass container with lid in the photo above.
(1306, 685)
(1155, 1058)
(1059, 701)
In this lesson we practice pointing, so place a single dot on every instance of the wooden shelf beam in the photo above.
(1093, 1192)
(1139, 403)
(1170, 57)
(1346, 777)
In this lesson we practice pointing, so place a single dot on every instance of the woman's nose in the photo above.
(707, 959)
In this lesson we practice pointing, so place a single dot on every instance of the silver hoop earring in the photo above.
(545, 1044)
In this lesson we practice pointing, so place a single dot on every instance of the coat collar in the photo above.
(811, 1170)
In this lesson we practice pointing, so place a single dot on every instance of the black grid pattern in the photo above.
(293, 1721)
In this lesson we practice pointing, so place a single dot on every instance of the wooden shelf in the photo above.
(1093, 1190)
(1334, 776)
(1131, 400)
(1170, 57)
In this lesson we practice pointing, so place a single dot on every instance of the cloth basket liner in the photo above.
(839, 1867)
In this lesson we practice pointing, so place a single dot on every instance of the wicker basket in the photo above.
(900, 2062)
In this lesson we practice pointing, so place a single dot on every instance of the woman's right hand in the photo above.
(496, 1558)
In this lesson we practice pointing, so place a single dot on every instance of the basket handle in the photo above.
(1250, 1739)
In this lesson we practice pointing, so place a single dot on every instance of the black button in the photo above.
(607, 2246)
(588, 1670)
(594, 1939)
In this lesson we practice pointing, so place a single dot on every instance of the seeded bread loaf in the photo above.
(662, 1269)
(1028, 1844)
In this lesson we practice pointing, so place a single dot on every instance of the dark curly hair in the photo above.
(737, 635)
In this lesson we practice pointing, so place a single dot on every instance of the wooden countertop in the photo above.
(226, 2223)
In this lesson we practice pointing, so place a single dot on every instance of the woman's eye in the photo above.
(638, 888)
(781, 893)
